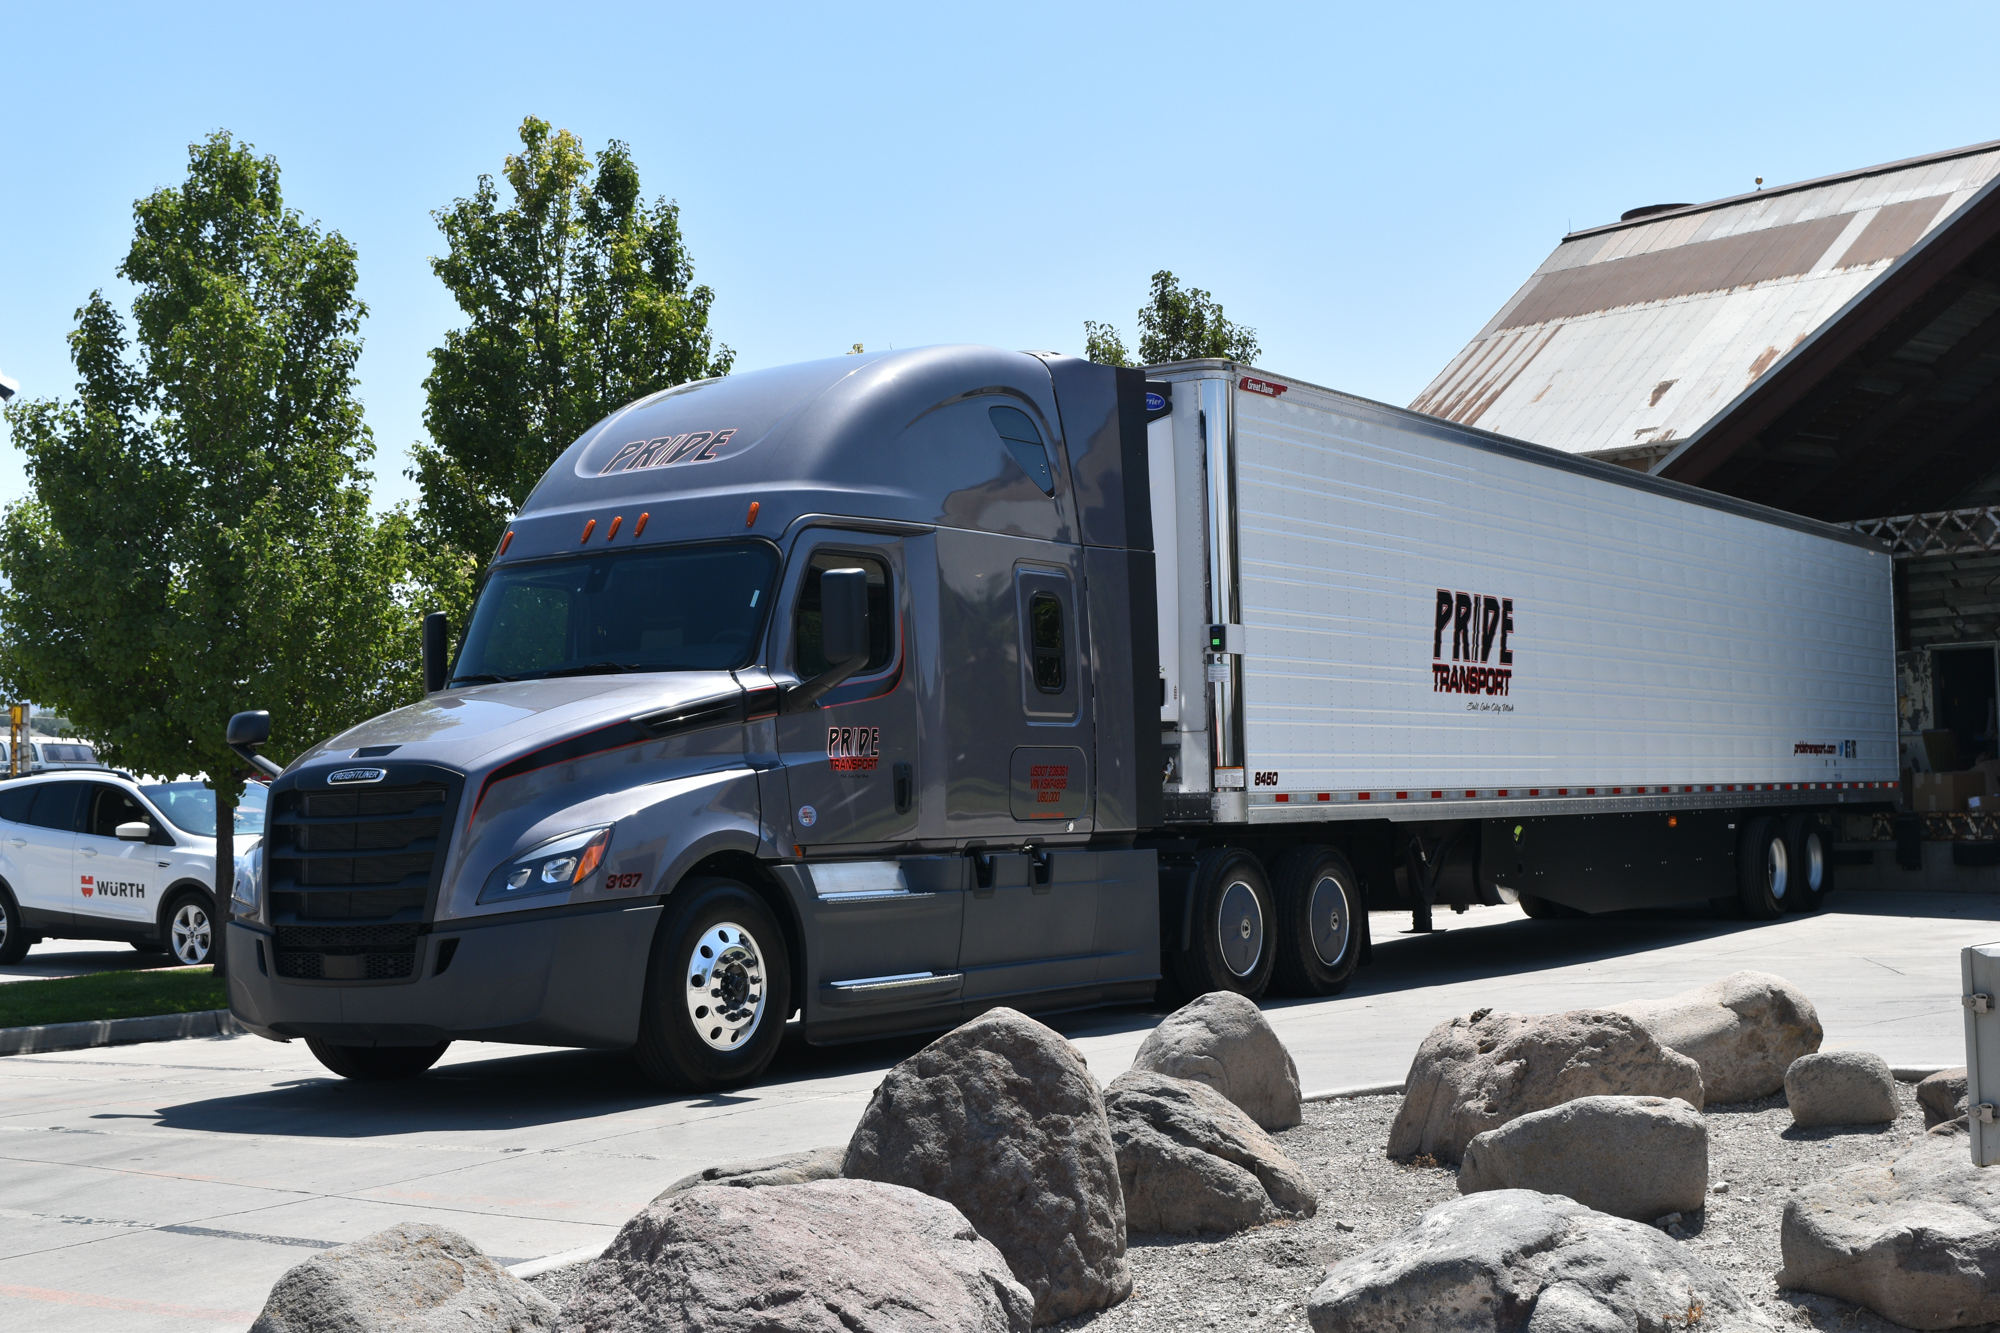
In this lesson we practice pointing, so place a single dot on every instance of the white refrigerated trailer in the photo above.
(1544, 675)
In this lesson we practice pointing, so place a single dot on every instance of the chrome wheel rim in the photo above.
(190, 934)
(726, 996)
(1240, 926)
(1777, 869)
(1327, 920)
(1815, 866)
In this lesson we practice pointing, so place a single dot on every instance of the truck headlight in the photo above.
(554, 866)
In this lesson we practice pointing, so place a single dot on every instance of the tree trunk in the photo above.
(225, 875)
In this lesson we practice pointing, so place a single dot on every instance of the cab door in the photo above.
(850, 761)
(117, 881)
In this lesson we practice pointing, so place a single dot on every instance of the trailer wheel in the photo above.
(719, 989)
(375, 1064)
(1812, 862)
(1318, 938)
(1230, 948)
(1765, 874)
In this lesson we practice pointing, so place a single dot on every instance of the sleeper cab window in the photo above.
(1025, 443)
(809, 654)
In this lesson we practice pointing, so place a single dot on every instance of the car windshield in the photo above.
(673, 608)
(190, 807)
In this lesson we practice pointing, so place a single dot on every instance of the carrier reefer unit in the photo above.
(881, 690)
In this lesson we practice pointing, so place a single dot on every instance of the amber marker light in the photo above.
(612, 531)
(1673, 821)
(593, 856)
(640, 526)
(588, 528)
(750, 520)
(505, 542)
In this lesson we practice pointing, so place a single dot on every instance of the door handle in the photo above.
(17, 842)
(905, 788)
(86, 851)
(163, 864)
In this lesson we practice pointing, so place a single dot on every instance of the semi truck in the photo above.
(881, 690)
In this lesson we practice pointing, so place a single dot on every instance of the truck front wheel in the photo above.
(719, 990)
(375, 1064)
(1319, 936)
(1233, 920)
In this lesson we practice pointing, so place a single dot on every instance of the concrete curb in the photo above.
(116, 1032)
(1359, 1090)
(549, 1263)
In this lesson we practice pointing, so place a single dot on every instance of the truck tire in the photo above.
(1812, 862)
(1318, 937)
(1764, 871)
(14, 937)
(375, 1064)
(1230, 945)
(1541, 909)
(718, 992)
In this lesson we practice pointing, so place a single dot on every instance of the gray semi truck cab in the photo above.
(829, 690)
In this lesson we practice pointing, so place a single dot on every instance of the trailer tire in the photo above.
(717, 942)
(1542, 909)
(1812, 862)
(1316, 892)
(1764, 870)
(1233, 915)
(375, 1064)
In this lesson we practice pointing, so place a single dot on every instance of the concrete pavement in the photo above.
(166, 1186)
(77, 958)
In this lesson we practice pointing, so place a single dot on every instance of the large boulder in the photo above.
(1475, 1074)
(1915, 1238)
(1514, 1261)
(1223, 1039)
(412, 1278)
(1001, 1118)
(1191, 1161)
(1636, 1157)
(829, 1256)
(1744, 1031)
(1942, 1096)
(1841, 1088)
(792, 1168)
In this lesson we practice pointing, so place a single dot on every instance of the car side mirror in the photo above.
(843, 633)
(136, 830)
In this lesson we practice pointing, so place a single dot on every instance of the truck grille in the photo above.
(350, 874)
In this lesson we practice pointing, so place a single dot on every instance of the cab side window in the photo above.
(110, 807)
(810, 655)
(56, 805)
(15, 802)
(1023, 441)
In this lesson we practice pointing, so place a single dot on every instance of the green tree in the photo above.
(1176, 325)
(579, 297)
(197, 539)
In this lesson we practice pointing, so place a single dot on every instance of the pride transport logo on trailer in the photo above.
(1479, 623)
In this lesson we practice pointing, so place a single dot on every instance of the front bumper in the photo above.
(553, 979)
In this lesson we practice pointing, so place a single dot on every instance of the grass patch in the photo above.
(166, 990)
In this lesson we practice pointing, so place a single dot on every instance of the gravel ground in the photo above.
(1262, 1279)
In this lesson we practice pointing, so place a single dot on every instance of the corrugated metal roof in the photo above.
(1638, 333)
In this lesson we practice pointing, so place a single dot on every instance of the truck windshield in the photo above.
(673, 608)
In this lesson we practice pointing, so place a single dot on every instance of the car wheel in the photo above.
(718, 990)
(14, 937)
(1811, 852)
(1318, 927)
(1233, 927)
(375, 1064)
(190, 934)
(1764, 870)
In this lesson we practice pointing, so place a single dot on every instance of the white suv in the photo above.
(102, 857)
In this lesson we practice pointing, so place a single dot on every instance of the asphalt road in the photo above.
(167, 1186)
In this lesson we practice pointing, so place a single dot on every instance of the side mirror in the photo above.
(246, 732)
(137, 830)
(843, 605)
(436, 659)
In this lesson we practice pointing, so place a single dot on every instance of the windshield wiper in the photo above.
(594, 669)
(480, 680)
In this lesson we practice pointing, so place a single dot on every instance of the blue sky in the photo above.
(1364, 185)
